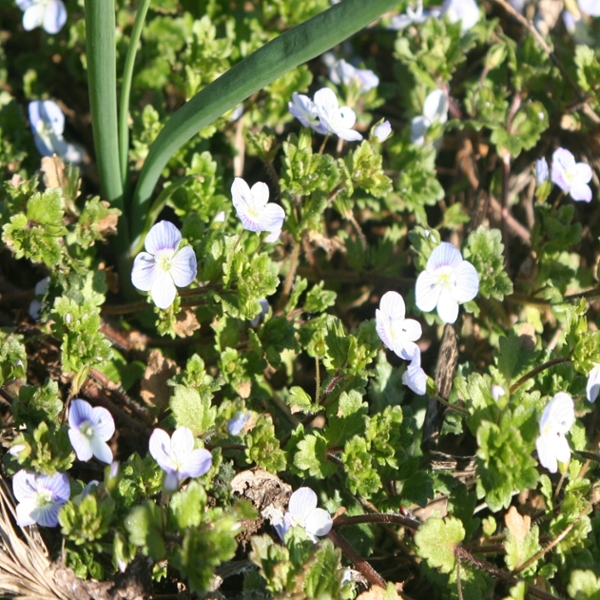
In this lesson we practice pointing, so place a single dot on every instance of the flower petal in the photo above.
(240, 194)
(558, 415)
(184, 267)
(24, 485)
(427, 291)
(593, 383)
(444, 255)
(435, 107)
(104, 424)
(562, 162)
(182, 443)
(55, 16)
(326, 102)
(418, 128)
(58, 484)
(447, 307)
(260, 194)
(33, 17)
(580, 191)
(143, 272)
(162, 236)
(318, 522)
(81, 444)
(583, 172)
(163, 290)
(273, 236)
(302, 502)
(80, 411)
(466, 282)
(412, 329)
(197, 463)
(24, 510)
(546, 454)
(160, 449)
(415, 378)
(101, 450)
(46, 516)
(392, 306)
(271, 217)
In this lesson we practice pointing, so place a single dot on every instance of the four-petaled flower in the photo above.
(176, 456)
(163, 266)
(254, 209)
(593, 383)
(47, 124)
(571, 177)
(414, 377)
(396, 332)
(325, 115)
(447, 281)
(344, 73)
(89, 430)
(40, 497)
(435, 110)
(51, 14)
(303, 512)
(557, 419)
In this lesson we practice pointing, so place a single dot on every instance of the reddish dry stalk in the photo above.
(555, 361)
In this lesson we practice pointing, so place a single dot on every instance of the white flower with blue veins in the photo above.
(447, 281)
(303, 512)
(571, 177)
(415, 377)
(344, 73)
(89, 430)
(304, 109)
(435, 110)
(556, 421)
(177, 457)
(40, 497)
(395, 331)
(50, 14)
(254, 209)
(336, 119)
(464, 11)
(47, 124)
(382, 131)
(590, 7)
(164, 266)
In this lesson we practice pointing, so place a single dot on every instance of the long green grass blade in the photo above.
(136, 33)
(294, 47)
(102, 82)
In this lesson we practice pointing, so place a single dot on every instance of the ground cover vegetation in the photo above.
(299, 299)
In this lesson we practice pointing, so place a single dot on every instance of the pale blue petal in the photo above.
(415, 378)
(240, 194)
(24, 4)
(412, 329)
(143, 272)
(541, 171)
(58, 484)
(382, 131)
(80, 411)
(33, 17)
(318, 522)
(197, 464)
(162, 236)
(24, 485)
(302, 502)
(435, 108)
(326, 102)
(583, 172)
(273, 236)
(350, 135)
(271, 217)
(418, 128)
(163, 290)
(368, 79)
(171, 481)
(101, 450)
(104, 424)
(404, 348)
(559, 415)
(46, 516)
(447, 307)
(593, 383)
(303, 108)
(24, 510)
(55, 16)
(52, 114)
(444, 255)
(466, 282)
(546, 454)
(591, 7)
(160, 449)
(184, 267)
(345, 118)
(260, 194)
(81, 444)
(562, 162)
(182, 443)
(427, 291)
(237, 423)
(580, 191)
(392, 306)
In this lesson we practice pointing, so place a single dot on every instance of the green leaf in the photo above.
(436, 541)
(584, 585)
(144, 525)
(192, 410)
(188, 505)
(311, 456)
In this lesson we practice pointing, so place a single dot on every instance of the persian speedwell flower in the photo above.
(335, 119)
(176, 456)
(40, 497)
(414, 377)
(51, 14)
(593, 383)
(435, 110)
(254, 209)
(571, 177)
(47, 124)
(465, 11)
(447, 281)
(304, 109)
(541, 171)
(396, 332)
(89, 430)
(303, 512)
(163, 266)
(382, 131)
(344, 73)
(557, 419)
